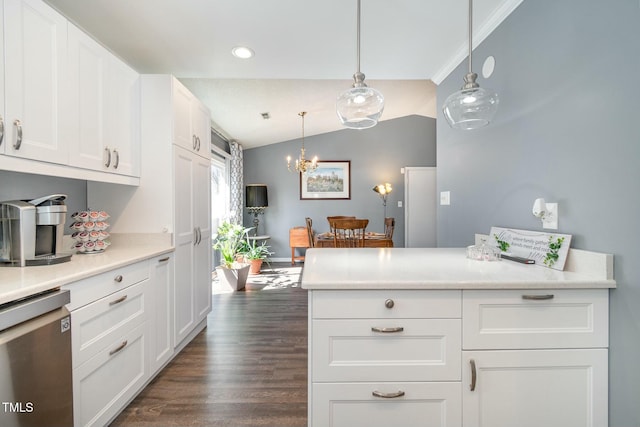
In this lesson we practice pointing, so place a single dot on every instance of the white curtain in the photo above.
(236, 184)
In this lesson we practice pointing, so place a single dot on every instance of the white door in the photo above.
(420, 207)
(534, 388)
(202, 221)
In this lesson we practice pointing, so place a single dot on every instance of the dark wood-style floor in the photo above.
(247, 368)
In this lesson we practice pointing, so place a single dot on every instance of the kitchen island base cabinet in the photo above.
(533, 388)
(407, 404)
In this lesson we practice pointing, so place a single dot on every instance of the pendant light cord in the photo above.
(470, 32)
(358, 39)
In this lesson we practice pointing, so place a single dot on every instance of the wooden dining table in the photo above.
(371, 240)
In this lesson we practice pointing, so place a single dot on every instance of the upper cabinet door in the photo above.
(182, 134)
(35, 56)
(2, 116)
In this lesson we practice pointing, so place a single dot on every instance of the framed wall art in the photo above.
(330, 181)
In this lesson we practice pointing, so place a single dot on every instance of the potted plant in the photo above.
(229, 240)
(255, 254)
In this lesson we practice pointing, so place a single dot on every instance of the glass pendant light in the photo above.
(471, 107)
(361, 106)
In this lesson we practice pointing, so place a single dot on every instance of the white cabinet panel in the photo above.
(354, 405)
(533, 388)
(411, 350)
(35, 42)
(550, 318)
(2, 115)
(104, 384)
(160, 313)
(387, 304)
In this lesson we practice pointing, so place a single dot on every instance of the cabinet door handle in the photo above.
(393, 395)
(389, 303)
(18, 126)
(195, 236)
(198, 143)
(116, 163)
(118, 348)
(194, 142)
(163, 259)
(107, 156)
(537, 297)
(118, 278)
(387, 330)
(472, 386)
(199, 235)
(119, 300)
(1, 129)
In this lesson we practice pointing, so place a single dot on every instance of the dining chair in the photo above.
(309, 222)
(389, 225)
(349, 232)
(331, 218)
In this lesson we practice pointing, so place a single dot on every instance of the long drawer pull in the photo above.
(119, 300)
(117, 349)
(118, 278)
(537, 297)
(163, 259)
(472, 386)
(398, 393)
(387, 330)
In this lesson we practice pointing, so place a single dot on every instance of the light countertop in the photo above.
(445, 268)
(20, 282)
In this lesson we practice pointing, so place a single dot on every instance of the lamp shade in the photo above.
(360, 107)
(256, 196)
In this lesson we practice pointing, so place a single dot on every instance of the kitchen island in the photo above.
(427, 337)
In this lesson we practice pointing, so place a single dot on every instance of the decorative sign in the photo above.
(547, 249)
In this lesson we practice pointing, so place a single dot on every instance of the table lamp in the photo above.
(256, 200)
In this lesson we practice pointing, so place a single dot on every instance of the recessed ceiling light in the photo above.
(242, 52)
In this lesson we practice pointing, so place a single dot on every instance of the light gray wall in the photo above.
(23, 186)
(376, 156)
(567, 130)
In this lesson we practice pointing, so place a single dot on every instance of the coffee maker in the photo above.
(31, 231)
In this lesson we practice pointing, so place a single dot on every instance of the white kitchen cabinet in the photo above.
(192, 123)
(2, 115)
(160, 312)
(35, 54)
(192, 241)
(535, 357)
(533, 388)
(104, 101)
(109, 350)
(380, 358)
(174, 197)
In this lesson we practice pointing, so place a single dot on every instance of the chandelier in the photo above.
(303, 165)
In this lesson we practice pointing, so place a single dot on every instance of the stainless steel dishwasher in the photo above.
(35, 362)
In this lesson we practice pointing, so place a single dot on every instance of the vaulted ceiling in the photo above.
(305, 53)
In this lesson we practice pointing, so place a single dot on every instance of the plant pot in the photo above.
(256, 265)
(235, 277)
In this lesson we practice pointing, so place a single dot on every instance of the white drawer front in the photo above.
(548, 318)
(95, 326)
(354, 405)
(96, 287)
(109, 380)
(434, 304)
(349, 350)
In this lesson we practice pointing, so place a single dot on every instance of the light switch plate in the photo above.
(445, 198)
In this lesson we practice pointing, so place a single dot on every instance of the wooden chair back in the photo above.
(331, 218)
(349, 233)
(389, 225)
(309, 222)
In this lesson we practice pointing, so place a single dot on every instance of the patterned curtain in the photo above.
(236, 185)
